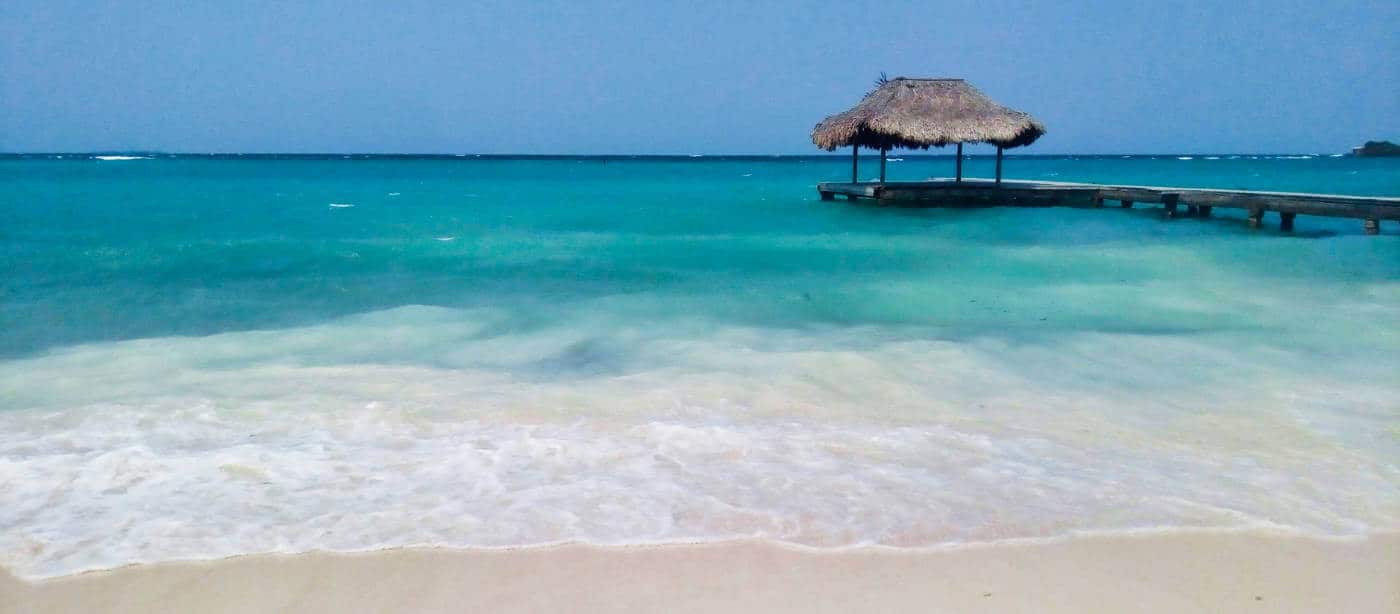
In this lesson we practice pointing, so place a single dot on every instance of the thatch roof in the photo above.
(923, 113)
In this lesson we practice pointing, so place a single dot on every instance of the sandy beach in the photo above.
(742, 308)
(1194, 572)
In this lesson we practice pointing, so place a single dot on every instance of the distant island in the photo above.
(1376, 149)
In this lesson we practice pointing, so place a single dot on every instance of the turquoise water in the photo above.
(107, 250)
(217, 356)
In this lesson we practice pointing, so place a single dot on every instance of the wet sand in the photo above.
(1180, 572)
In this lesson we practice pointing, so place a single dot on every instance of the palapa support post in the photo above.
(855, 163)
(1126, 204)
(998, 164)
(883, 151)
(1256, 216)
(1170, 200)
(1285, 221)
(959, 162)
(1372, 226)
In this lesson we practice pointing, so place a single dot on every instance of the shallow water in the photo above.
(204, 357)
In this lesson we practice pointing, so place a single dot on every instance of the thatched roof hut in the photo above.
(923, 113)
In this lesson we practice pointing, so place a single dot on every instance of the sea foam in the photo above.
(437, 426)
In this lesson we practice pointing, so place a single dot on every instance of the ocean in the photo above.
(209, 356)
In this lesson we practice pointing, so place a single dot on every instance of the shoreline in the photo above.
(865, 548)
(1150, 571)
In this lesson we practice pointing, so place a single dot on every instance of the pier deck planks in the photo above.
(987, 193)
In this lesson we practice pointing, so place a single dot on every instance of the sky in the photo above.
(665, 77)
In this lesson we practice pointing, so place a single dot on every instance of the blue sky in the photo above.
(672, 77)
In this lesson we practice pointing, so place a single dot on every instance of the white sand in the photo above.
(1193, 572)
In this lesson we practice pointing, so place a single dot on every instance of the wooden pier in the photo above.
(1178, 202)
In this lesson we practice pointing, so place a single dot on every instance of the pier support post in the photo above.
(998, 164)
(883, 151)
(1203, 210)
(1126, 204)
(1256, 216)
(855, 163)
(1192, 211)
(1372, 226)
(959, 162)
(1285, 221)
(1169, 201)
(1098, 202)
(828, 196)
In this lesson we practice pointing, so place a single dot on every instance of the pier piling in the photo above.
(1285, 221)
(1256, 216)
(1372, 226)
(1169, 201)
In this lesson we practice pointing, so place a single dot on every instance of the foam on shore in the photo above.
(429, 426)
